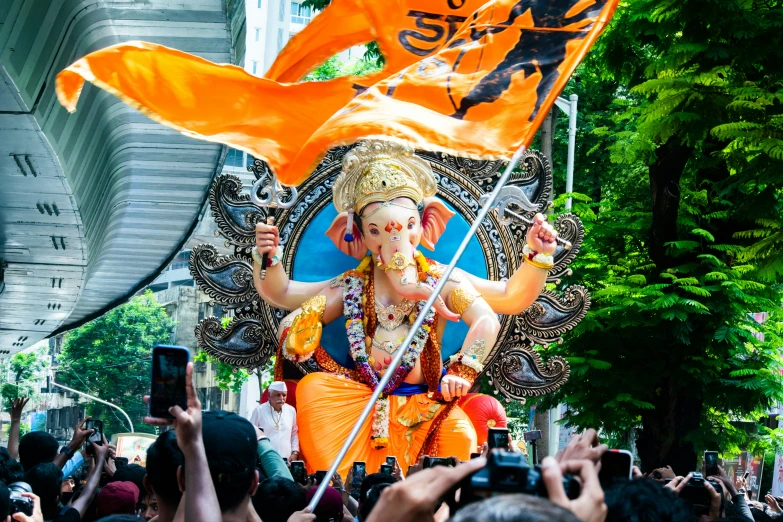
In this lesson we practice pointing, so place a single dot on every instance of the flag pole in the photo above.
(368, 409)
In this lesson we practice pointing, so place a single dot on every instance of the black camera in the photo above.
(17, 503)
(508, 472)
(697, 495)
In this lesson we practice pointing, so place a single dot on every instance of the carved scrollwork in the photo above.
(552, 315)
(245, 342)
(570, 228)
(235, 215)
(227, 280)
(519, 373)
(514, 366)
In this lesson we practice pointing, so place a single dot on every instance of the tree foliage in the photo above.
(680, 162)
(110, 357)
(17, 375)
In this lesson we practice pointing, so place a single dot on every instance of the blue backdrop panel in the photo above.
(318, 259)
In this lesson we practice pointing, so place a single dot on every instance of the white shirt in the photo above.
(284, 439)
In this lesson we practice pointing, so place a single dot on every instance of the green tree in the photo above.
(680, 157)
(21, 369)
(110, 357)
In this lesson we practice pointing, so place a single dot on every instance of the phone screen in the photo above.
(298, 471)
(616, 466)
(121, 462)
(359, 473)
(96, 437)
(319, 477)
(497, 438)
(710, 463)
(391, 461)
(386, 468)
(168, 380)
(431, 462)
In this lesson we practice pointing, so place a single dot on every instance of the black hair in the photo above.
(644, 500)
(5, 501)
(368, 483)
(374, 479)
(46, 480)
(10, 470)
(370, 499)
(37, 447)
(278, 498)
(131, 473)
(357, 218)
(163, 459)
(514, 508)
(120, 518)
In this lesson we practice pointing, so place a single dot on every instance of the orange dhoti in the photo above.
(328, 406)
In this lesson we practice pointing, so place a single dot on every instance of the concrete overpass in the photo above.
(94, 204)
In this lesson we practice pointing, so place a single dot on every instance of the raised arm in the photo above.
(277, 289)
(513, 296)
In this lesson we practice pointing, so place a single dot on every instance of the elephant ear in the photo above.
(337, 232)
(433, 221)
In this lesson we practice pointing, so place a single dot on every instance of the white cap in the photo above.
(278, 386)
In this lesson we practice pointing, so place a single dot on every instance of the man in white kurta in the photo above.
(278, 420)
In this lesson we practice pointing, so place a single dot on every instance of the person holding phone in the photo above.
(278, 420)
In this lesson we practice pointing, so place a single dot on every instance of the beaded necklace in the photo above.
(355, 298)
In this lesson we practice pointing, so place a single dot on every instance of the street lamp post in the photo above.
(96, 399)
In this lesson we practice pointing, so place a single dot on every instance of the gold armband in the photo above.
(462, 299)
(304, 336)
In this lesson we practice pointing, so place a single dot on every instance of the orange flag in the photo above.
(480, 90)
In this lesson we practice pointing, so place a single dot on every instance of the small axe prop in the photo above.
(271, 198)
(511, 195)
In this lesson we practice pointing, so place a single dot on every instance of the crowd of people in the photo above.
(216, 465)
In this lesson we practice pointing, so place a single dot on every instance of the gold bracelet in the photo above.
(537, 264)
(462, 371)
(462, 299)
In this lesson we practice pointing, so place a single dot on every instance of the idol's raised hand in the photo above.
(542, 236)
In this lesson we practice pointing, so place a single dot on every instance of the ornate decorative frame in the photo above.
(515, 368)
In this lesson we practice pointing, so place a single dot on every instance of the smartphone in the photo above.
(616, 466)
(386, 468)
(710, 463)
(474, 455)
(497, 438)
(298, 471)
(96, 437)
(746, 475)
(168, 380)
(120, 462)
(319, 477)
(359, 474)
(391, 461)
(431, 462)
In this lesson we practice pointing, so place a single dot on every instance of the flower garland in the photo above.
(353, 309)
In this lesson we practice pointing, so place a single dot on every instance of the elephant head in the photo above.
(395, 228)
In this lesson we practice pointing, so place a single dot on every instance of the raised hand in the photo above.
(773, 504)
(542, 236)
(589, 506)
(17, 406)
(584, 446)
(187, 423)
(267, 238)
(80, 434)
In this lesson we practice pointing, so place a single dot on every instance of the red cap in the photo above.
(117, 498)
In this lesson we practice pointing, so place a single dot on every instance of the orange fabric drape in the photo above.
(477, 87)
(329, 405)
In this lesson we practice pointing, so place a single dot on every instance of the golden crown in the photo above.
(379, 171)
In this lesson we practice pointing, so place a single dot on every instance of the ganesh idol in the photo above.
(387, 208)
